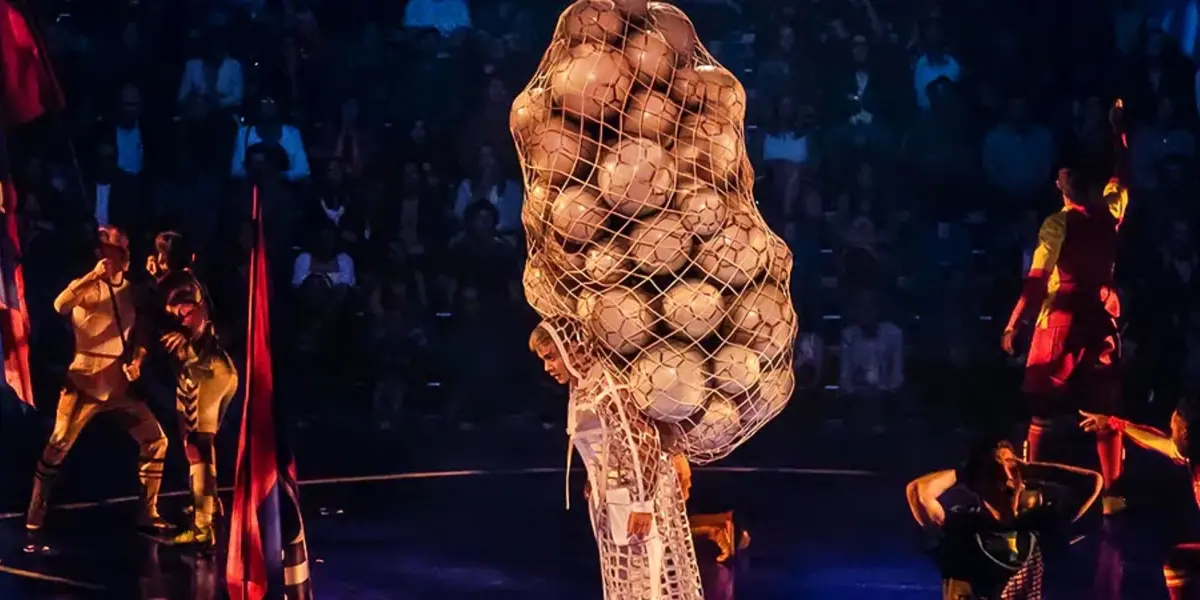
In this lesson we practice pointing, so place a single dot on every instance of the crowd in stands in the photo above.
(905, 150)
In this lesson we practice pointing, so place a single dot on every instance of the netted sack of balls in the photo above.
(641, 222)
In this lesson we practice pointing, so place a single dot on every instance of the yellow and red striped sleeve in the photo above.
(1045, 257)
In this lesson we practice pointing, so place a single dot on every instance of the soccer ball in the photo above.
(718, 429)
(660, 245)
(544, 291)
(593, 21)
(651, 115)
(637, 177)
(735, 369)
(675, 28)
(781, 261)
(736, 255)
(586, 304)
(651, 58)
(577, 214)
(722, 93)
(557, 150)
(693, 309)
(607, 262)
(667, 381)
(621, 320)
(775, 389)
(763, 319)
(591, 82)
(535, 208)
(530, 109)
(703, 210)
(708, 149)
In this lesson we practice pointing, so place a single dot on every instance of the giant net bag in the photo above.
(641, 223)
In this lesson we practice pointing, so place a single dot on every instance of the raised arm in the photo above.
(1045, 257)
(1143, 435)
(78, 291)
(923, 493)
(1082, 486)
(1116, 192)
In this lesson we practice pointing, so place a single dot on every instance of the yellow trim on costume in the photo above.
(1045, 257)
(295, 575)
(1117, 197)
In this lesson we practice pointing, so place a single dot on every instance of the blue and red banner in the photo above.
(268, 556)
(28, 90)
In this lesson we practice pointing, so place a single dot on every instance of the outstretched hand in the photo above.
(1093, 422)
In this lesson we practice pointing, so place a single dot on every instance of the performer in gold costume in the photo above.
(108, 357)
(637, 507)
(206, 378)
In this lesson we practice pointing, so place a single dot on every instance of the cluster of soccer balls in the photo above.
(641, 222)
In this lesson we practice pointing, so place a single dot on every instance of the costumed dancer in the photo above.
(993, 550)
(206, 378)
(1070, 288)
(1181, 570)
(108, 358)
(637, 507)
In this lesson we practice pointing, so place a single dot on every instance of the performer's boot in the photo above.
(38, 501)
(1038, 430)
(1180, 572)
(1111, 450)
(201, 534)
(150, 475)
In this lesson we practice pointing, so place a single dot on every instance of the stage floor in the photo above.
(836, 532)
(499, 535)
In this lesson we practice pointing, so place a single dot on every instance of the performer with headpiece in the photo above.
(1181, 569)
(108, 358)
(206, 378)
(637, 506)
(1070, 288)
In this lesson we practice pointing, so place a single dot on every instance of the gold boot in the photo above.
(1112, 504)
(201, 538)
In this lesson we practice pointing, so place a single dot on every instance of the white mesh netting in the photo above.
(640, 220)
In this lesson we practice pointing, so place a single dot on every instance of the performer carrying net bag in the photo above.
(642, 229)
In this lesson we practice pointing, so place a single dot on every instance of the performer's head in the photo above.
(993, 473)
(1082, 184)
(171, 253)
(113, 249)
(557, 341)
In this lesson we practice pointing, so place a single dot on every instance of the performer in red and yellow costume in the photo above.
(1181, 569)
(108, 357)
(1072, 362)
(206, 378)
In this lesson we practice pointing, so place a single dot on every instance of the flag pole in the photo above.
(247, 499)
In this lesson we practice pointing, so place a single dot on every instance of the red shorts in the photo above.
(1072, 368)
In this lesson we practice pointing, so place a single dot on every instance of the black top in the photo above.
(983, 559)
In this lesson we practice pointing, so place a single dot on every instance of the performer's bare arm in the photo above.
(1082, 485)
(923, 495)
(1143, 435)
(75, 291)
(1033, 292)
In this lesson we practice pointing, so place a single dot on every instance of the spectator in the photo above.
(183, 196)
(211, 84)
(115, 196)
(478, 361)
(872, 364)
(859, 101)
(446, 16)
(933, 64)
(397, 339)
(1018, 154)
(1090, 140)
(269, 128)
(809, 356)
(324, 265)
(488, 184)
(943, 152)
(480, 258)
(1153, 142)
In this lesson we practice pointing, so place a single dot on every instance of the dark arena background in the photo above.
(906, 151)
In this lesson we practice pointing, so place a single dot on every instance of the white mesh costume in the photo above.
(629, 473)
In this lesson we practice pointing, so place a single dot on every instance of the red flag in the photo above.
(14, 318)
(268, 555)
(28, 88)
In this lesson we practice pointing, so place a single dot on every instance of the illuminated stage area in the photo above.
(440, 530)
